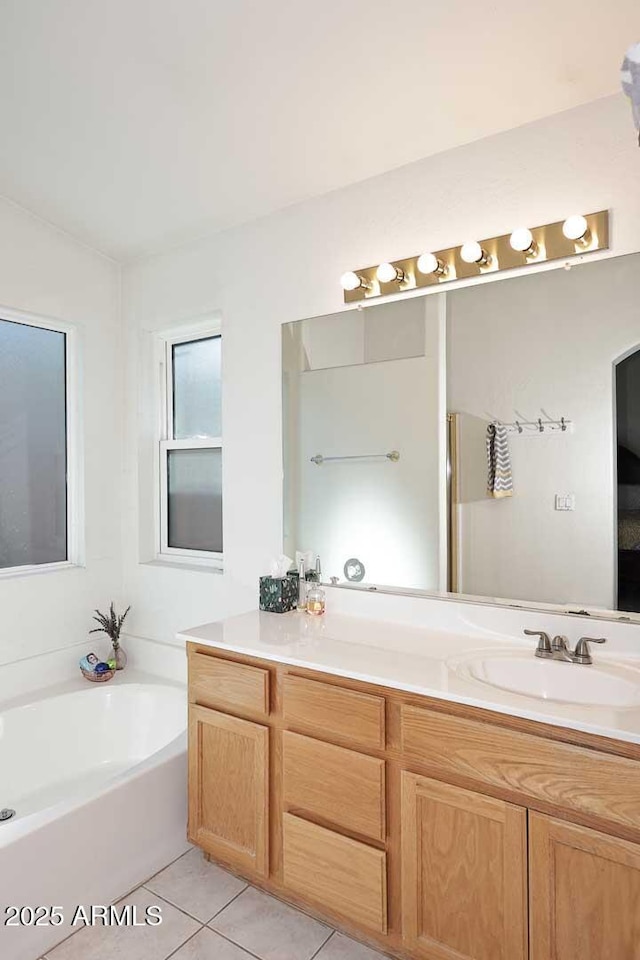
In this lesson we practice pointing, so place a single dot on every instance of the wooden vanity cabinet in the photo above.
(229, 789)
(430, 830)
(584, 893)
(464, 873)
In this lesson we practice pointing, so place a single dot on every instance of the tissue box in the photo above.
(278, 594)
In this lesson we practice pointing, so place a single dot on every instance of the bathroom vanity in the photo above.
(353, 768)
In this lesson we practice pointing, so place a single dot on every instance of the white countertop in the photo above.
(416, 660)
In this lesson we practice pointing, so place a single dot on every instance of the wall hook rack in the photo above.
(536, 427)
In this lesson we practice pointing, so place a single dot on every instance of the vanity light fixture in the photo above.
(352, 281)
(576, 228)
(521, 240)
(428, 264)
(473, 252)
(387, 273)
(562, 240)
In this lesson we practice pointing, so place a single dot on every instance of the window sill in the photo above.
(186, 563)
(36, 570)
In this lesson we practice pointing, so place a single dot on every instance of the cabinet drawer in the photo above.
(217, 682)
(341, 786)
(571, 778)
(344, 876)
(335, 711)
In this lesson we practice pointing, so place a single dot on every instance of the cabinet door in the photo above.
(585, 893)
(229, 788)
(464, 869)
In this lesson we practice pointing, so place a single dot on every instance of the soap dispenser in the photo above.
(315, 594)
(315, 600)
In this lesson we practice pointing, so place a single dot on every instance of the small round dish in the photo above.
(97, 677)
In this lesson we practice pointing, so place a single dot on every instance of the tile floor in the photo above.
(208, 914)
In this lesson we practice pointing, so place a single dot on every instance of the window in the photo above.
(34, 509)
(191, 453)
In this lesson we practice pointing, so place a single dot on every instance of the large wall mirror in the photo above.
(390, 413)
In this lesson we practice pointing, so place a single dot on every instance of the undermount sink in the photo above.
(603, 685)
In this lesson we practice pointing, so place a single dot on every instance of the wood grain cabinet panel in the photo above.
(338, 785)
(464, 873)
(223, 683)
(334, 711)
(341, 875)
(574, 779)
(228, 788)
(584, 892)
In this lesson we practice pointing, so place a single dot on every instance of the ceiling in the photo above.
(140, 124)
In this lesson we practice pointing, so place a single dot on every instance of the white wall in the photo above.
(287, 266)
(44, 272)
(545, 342)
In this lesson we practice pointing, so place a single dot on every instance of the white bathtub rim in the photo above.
(78, 684)
(12, 830)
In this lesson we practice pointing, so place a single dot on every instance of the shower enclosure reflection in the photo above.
(364, 453)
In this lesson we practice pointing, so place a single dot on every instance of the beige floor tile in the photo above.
(340, 947)
(270, 929)
(130, 943)
(209, 945)
(196, 886)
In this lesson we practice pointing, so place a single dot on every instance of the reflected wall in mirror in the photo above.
(427, 377)
(358, 386)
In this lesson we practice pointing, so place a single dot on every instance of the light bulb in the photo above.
(522, 241)
(472, 252)
(387, 273)
(351, 281)
(429, 263)
(576, 228)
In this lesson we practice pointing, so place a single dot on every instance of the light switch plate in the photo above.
(565, 501)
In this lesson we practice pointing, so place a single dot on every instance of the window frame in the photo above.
(73, 446)
(164, 552)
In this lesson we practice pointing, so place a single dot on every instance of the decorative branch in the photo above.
(111, 624)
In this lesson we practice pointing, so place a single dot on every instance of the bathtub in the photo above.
(96, 774)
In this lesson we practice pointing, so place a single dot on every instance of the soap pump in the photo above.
(302, 588)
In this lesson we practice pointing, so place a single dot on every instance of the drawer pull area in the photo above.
(334, 712)
(337, 785)
(344, 876)
(222, 683)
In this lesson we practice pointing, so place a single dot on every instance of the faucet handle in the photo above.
(544, 643)
(582, 654)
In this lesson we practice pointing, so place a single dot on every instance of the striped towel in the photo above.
(500, 479)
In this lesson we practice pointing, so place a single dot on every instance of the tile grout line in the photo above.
(228, 939)
(103, 926)
(191, 915)
(184, 943)
(161, 870)
(323, 945)
(246, 949)
(138, 886)
(233, 943)
(218, 912)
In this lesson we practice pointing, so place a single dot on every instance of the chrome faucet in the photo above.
(558, 648)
